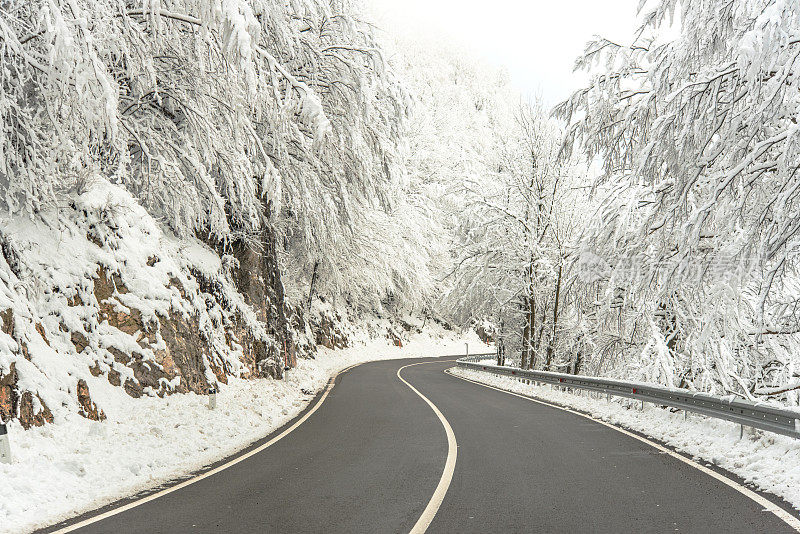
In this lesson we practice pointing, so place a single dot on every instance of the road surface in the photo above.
(370, 458)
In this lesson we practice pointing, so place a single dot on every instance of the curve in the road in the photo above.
(761, 501)
(234, 461)
(429, 513)
(371, 458)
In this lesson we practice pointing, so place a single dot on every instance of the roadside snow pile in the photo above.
(769, 462)
(77, 464)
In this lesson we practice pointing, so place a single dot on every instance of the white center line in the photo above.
(429, 513)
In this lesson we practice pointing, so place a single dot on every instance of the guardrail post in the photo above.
(641, 409)
(466, 345)
(741, 431)
(5, 446)
(212, 398)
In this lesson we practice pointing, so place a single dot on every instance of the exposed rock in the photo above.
(94, 239)
(185, 352)
(40, 329)
(8, 400)
(12, 403)
(8, 321)
(258, 356)
(79, 340)
(28, 418)
(172, 344)
(174, 282)
(114, 378)
(219, 371)
(104, 288)
(103, 285)
(23, 348)
(328, 334)
(95, 369)
(122, 289)
(485, 333)
(258, 279)
(408, 327)
(147, 373)
(132, 388)
(88, 408)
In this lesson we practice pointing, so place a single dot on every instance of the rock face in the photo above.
(30, 410)
(28, 414)
(122, 304)
(183, 353)
(258, 279)
(328, 334)
(21, 406)
(88, 408)
(485, 333)
(8, 404)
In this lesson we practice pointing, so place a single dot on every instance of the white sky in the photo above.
(536, 40)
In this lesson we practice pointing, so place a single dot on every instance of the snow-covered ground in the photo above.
(769, 462)
(75, 465)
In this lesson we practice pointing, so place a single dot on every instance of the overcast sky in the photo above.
(536, 40)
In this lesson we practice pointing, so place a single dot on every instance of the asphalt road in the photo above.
(371, 457)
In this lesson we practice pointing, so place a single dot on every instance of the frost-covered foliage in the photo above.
(504, 205)
(514, 236)
(161, 163)
(219, 116)
(696, 267)
(460, 113)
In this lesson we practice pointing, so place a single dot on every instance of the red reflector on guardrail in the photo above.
(634, 390)
(560, 379)
(513, 372)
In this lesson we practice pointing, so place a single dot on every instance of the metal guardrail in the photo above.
(478, 357)
(778, 420)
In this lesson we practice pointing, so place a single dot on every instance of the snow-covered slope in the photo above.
(77, 464)
(98, 304)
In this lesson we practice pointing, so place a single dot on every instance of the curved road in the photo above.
(370, 458)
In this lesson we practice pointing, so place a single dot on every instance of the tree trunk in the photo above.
(311, 287)
(528, 354)
(552, 346)
(526, 336)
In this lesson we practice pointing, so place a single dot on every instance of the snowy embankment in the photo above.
(768, 462)
(76, 465)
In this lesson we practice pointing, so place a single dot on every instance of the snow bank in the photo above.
(76, 464)
(769, 462)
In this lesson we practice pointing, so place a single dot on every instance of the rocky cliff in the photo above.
(96, 298)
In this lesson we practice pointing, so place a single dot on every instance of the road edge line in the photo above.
(439, 493)
(782, 514)
(211, 472)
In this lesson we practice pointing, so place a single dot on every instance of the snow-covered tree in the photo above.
(695, 124)
(223, 118)
(516, 236)
(489, 162)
